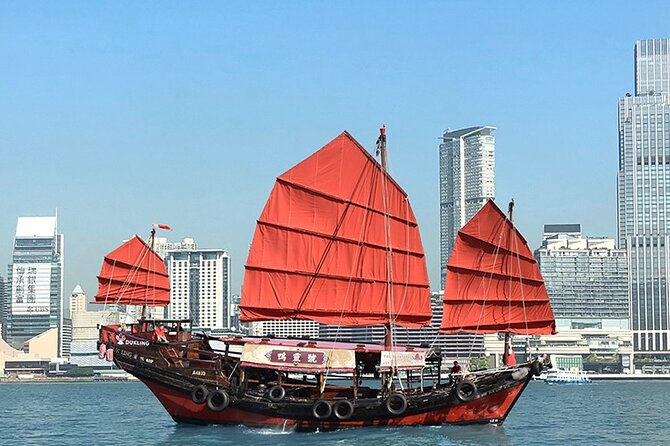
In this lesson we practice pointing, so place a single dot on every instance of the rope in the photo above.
(407, 269)
(523, 298)
(390, 302)
(359, 258)
(486, 291)
(129, 279)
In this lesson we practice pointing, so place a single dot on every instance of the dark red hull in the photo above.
(491, 409)
(187, 387)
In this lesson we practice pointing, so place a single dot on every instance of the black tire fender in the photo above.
(466, 391)
(218, 400)
(536, 368)
(199, 394)
(396, 404)
(322, 410)
(343, 409)
(276, 394)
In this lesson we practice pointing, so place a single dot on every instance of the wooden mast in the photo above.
(151, 237)
(381, 151)
(507, 348)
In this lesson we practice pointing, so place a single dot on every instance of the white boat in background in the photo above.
(567, 377)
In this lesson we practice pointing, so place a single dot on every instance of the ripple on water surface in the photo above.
(114, 414)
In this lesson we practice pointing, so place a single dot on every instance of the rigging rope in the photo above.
(523, 297)
(359, 258)
(486, 290)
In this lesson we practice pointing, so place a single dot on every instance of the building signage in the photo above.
(31, 288)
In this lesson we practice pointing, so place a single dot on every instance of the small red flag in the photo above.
(166, 227)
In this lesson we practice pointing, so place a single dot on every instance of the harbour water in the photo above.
(126, 413)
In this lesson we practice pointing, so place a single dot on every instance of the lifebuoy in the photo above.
(218, 400)
(536, 367)
(109, 355)
(343, 409)
(466, 391)
(396, 404)
(322, 410)
(276, 394)
(101, 351)
(199, 394)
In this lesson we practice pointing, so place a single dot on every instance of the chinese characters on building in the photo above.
(31, 288)
(24, 284)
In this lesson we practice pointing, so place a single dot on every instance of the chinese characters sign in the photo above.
(283, 357)
(296, 357)
(31, 288)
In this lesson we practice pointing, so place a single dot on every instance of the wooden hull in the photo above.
(497, 393)
(491, 409)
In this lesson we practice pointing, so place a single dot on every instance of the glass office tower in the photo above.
(643, 194)
(36, 281)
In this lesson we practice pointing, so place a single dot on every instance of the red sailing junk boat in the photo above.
(338, 243)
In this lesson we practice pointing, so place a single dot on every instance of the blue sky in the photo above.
(124, 114)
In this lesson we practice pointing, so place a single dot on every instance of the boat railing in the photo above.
(182, 356)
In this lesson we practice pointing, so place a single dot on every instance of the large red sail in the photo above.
(133, 274)
(324, 250)
(493, 280)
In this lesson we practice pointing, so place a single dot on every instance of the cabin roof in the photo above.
(359, 347)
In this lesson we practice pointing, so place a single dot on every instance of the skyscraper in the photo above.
(467, 162)
(643, 194)
(36, 278)
(200, 285)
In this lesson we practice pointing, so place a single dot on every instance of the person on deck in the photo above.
(456, 372)
(159, 333)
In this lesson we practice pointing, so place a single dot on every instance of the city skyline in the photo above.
(119, 131)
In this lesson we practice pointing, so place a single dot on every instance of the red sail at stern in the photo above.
(324, 250)
(133, 274)
(493, 280)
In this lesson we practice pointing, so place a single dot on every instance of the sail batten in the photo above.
(413, 252)
(321, 249)
(472, 272)
(335, 277)
(493, 281)
(487, 245)
(316, 192)
(133, 274)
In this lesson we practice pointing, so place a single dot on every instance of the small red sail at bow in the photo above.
(337, 243)
(493, 281)
(133, 274)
